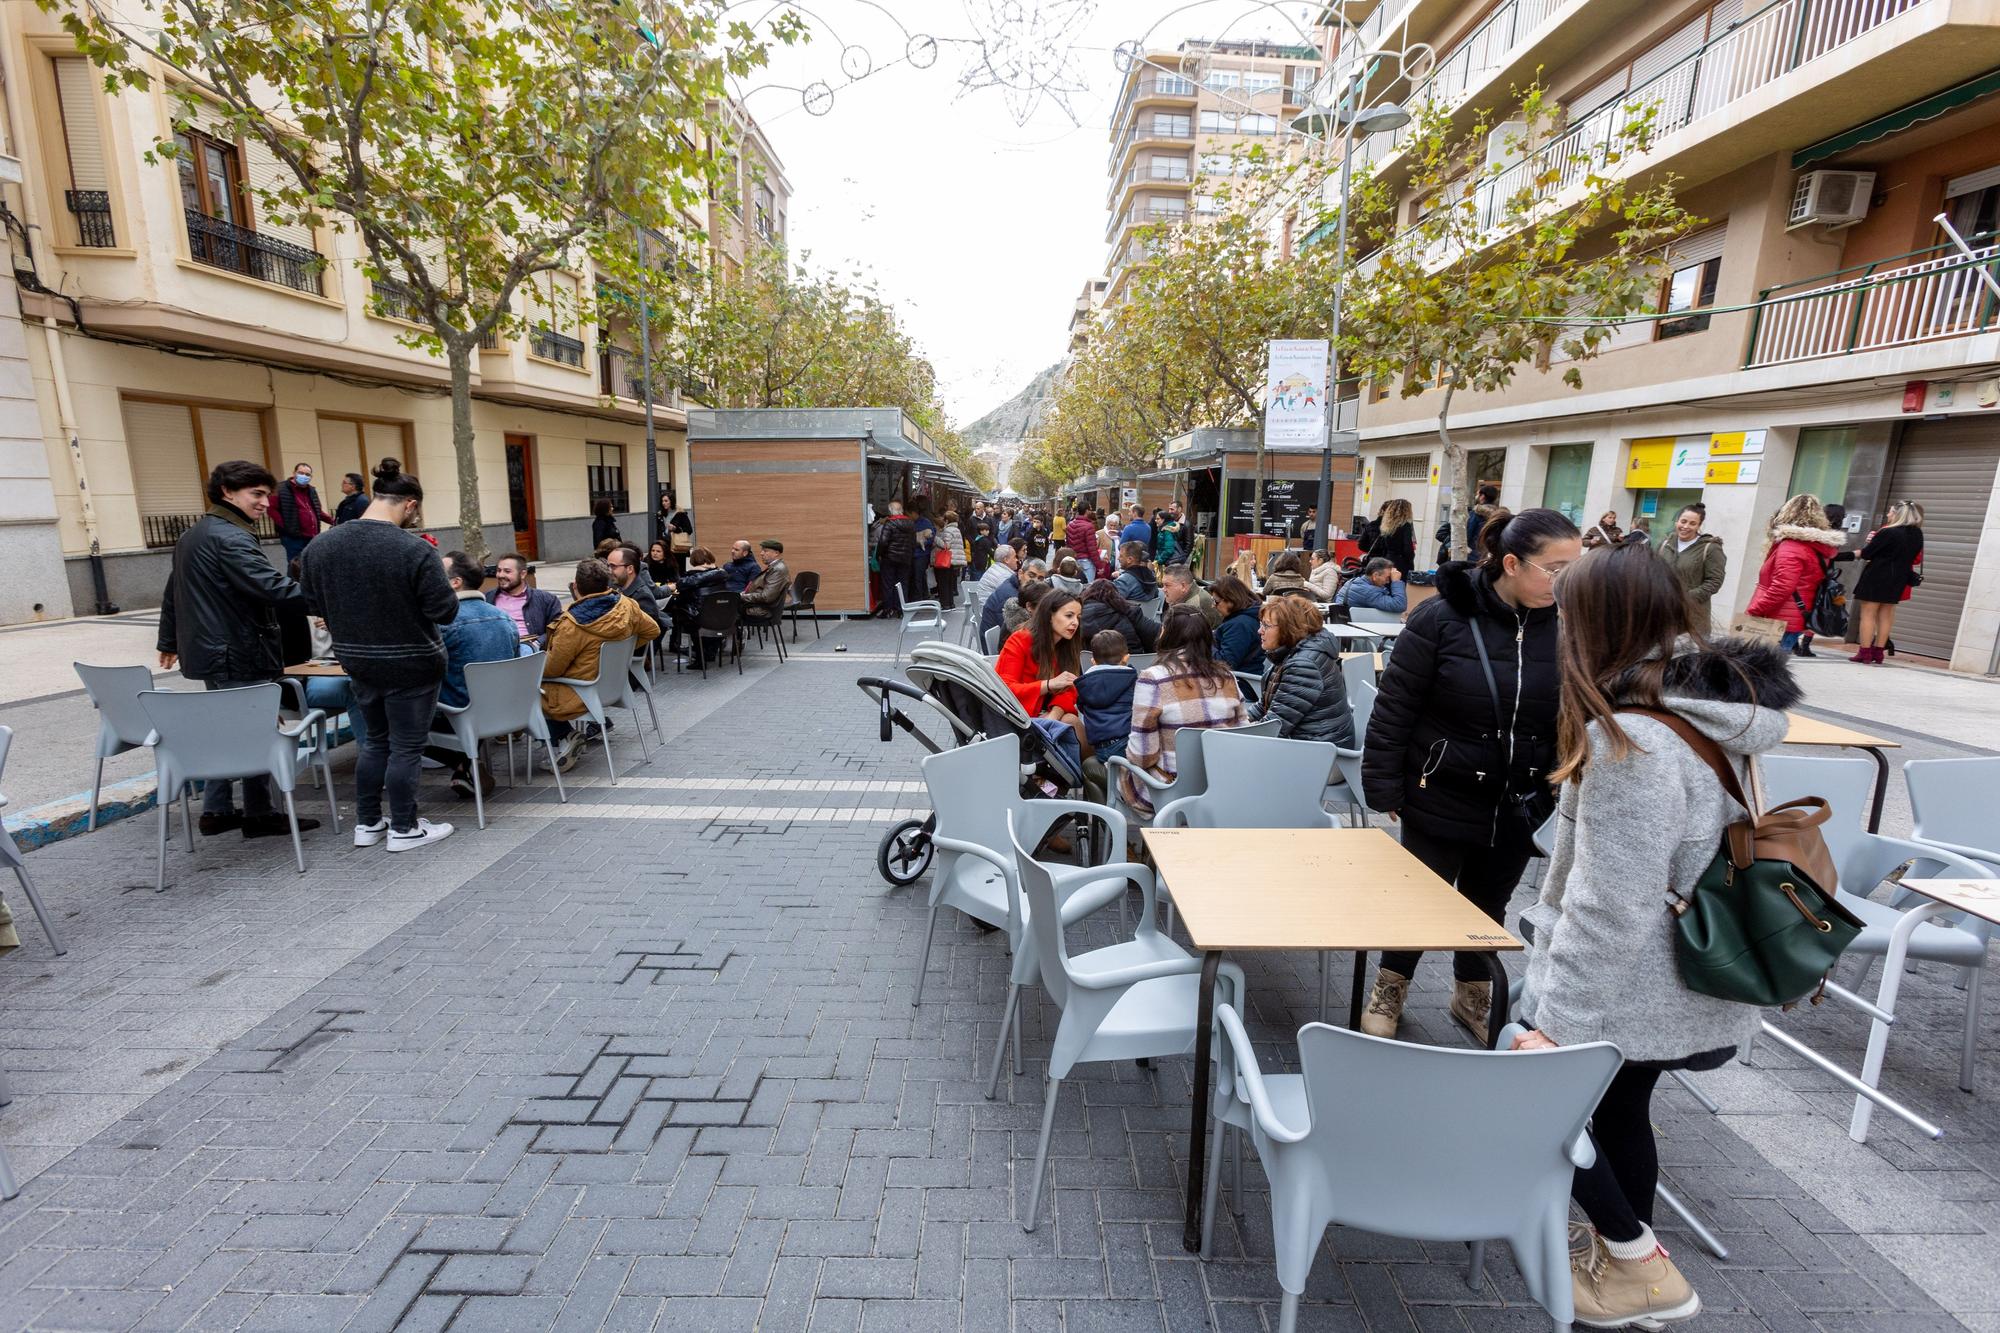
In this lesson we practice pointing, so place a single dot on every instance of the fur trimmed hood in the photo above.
(1821, 536)
(1735, 689)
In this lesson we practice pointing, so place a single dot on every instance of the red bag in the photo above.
(941, 560)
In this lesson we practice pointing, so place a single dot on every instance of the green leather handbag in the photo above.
(1762, 925)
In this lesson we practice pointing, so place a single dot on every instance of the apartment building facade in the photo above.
(1180, 118)
(167, 328)
(1824, 333)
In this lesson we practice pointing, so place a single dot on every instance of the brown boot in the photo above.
(1648, 1293)
(1385, 1005)
(1472, 1003)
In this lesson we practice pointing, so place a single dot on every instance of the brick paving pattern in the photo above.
(658, 1068)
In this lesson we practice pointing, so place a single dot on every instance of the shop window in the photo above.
(604, 465)
(1567, 480)
(1821, 463)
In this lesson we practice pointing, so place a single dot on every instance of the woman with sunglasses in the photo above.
(1463, 735)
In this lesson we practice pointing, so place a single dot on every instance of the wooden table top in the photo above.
(1975, 897)
(316, 669)
(1811, 731)
(1344, 889)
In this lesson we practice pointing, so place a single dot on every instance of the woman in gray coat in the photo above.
(1303, 686)
(1639, 820)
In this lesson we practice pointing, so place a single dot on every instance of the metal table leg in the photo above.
(1881, 787)
(1496, 1013)
(1359, 995)
(1204, 1037)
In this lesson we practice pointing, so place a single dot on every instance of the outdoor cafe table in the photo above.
(1811, 731)
(1244, 889)
(316, 669)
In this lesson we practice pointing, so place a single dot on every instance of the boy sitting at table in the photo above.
(1104, 694)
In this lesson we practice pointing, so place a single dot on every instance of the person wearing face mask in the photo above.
(297, 513)
(383, 594)
(1697, 558)
(1463, 736)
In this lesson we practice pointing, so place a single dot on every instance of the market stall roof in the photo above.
(889, 432)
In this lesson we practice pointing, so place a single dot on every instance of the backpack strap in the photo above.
(1704, 747)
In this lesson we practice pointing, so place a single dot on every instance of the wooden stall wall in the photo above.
(806, 493)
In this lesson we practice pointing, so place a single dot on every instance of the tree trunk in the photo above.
(472, 533)
(1454, 475)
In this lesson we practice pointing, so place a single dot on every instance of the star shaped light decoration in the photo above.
(1027, 50)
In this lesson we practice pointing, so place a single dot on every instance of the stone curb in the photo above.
(69, 817)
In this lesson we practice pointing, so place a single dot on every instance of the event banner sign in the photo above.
(1295, 393)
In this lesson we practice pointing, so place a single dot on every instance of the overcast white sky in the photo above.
(980, 230)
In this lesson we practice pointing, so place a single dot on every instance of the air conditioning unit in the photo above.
(1831, 198)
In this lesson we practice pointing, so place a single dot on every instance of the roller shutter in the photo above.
(1948, 467)
(76, 92)
(167, 476)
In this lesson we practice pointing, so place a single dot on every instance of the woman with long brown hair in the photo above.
(1392, 535)
(1640, 817)
(1040, 663)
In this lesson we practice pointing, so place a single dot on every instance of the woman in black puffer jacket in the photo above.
(1104, 609)
(1303, 686)
(1460, 747)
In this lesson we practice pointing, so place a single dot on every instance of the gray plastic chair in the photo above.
(1900, 930)
(1257, 781)
(227, 734)
(121, 724)
(1149, 981)
(1422, 1177)
(991, 638)
(924, 618)
(9, 1185)
(1357, 671)
(501, 698)
(611, 687)
(11, 854)
(1373, 615)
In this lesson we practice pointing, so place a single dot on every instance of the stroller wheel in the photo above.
(905, 853)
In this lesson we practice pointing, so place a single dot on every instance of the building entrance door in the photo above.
(521, 492)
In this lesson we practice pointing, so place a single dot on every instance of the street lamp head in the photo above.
(1322, 122)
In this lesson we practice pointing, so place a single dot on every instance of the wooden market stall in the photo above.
(813, 478)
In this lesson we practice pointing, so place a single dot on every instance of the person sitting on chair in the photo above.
(1135, 581)
(703, 579)
(1104, 693)
(597, 616)
(764, 597)
(481, 632)
(1379, 587)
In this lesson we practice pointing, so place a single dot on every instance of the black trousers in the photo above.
(947, 585)
(1484, 876)
(1616, 1192)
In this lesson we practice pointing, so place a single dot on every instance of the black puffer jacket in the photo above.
(1104, 609)
(1435, 749)
(220, 608)
(1305, 690)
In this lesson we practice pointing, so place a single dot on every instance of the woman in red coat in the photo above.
(1802, 541)
(1040, 663)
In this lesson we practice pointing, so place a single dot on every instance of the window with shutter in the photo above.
(167, 471)
(88, 198)
(339, 452)
(228, 433)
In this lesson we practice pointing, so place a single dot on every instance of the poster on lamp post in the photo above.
(1295, 393)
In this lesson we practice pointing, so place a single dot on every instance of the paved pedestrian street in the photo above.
(648, 1060)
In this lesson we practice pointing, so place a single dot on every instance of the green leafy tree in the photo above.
(470, 145)
(1526, 239)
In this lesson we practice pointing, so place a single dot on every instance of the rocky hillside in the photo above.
(1016, 419)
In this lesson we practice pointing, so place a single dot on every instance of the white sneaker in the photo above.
(424, 832)
(367, 835)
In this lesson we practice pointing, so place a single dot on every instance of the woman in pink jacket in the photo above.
(1802, 542)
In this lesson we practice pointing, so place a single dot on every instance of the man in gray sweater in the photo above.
(383, 593)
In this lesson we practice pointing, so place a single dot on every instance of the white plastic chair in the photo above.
(1373, 615)
(11, 854)
(611, 687)
(991, 638)
(1422, 1176)
(1135, 1000)
(1190, 773)
(501, 698)
(219, 735)
(9, 1186)
(1898, 931)
(121, 724)
(1357, 671)
(923, 617)
(1257, 781)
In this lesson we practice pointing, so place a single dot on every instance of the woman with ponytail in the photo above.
(1463, 735)
(1641, 815)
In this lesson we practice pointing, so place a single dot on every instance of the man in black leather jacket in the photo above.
(219, 621)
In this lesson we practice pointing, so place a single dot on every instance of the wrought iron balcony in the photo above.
(92, 210)
(546, 343)
(161, 531)
(396, 300)
(618, 373)
(225, 245)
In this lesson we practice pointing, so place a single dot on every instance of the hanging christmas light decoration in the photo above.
(1028, 51)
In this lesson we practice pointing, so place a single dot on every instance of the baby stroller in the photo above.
(961, 686)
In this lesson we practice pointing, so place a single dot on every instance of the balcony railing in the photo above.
(1387, 14)
(396, 300)
(92, 210)
(1147, 130)
(1914, 298)
(549, 345)
(1769, 44)
(225, 245)
(162, 530)
(618, 373)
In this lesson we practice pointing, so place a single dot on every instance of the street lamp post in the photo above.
(1315, 121)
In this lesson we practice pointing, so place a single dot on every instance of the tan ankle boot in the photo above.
(1385, 1005)
(1471, 1003)
(1647, 1293)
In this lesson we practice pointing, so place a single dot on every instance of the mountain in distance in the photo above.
(1001, 432)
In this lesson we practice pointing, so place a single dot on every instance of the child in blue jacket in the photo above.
(1104, 693)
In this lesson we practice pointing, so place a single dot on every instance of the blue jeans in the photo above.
(399, 723)
(333, 696)
(294, 547)
(1787, 639)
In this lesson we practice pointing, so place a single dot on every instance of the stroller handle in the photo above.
(883, 688)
